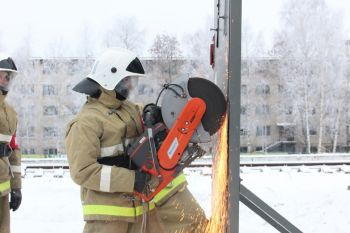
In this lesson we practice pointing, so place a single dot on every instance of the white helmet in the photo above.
(7, 65)
(109, 71)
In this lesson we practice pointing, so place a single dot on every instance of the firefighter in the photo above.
(178, 209)
(10, 156)
(96, 143)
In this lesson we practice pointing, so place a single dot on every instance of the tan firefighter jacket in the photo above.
(10, 166)
(101, 129)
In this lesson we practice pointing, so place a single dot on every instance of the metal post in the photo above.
(234, 99)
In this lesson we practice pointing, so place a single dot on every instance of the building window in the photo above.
(244, 89)
(244, 149)
(288, 110)
(262, 90)
(313, 149)
(26, 132)
(48, 67)
(263, 130)
(313, 111)
(244, 132)
(72, 110)
(28, 151)
(50, 132)
(50, 110)
(262, 109)
(49, 90)
(50, 151)
(27, 89)
(313, 131)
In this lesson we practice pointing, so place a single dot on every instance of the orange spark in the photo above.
(217, 223)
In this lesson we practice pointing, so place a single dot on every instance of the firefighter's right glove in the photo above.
(141, 179)
(152, 114)
(16, 199)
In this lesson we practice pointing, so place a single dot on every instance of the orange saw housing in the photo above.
(165, 164)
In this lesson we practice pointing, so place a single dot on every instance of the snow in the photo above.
(315, 200)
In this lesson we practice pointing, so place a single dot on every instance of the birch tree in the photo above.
(198, 52)
(166, 50)
(310, 41)
(125, 33)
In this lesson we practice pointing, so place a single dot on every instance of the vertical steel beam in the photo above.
(234, 100)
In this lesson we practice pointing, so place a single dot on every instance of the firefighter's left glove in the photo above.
(152, 114)
(16, 199)
(141, 179)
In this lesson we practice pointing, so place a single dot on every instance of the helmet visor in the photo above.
(126, 85)
(5, 80)
(8, 65)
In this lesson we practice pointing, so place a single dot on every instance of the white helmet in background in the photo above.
(8, 71)
(113, 70)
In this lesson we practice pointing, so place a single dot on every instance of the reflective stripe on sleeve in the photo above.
(180, 179)
(5, 138)
(111, 150)
(105, 182)
(115, 210)
(5, 186)
(15, 168)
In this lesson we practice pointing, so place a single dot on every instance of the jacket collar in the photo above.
(2, 98)
(108, 99)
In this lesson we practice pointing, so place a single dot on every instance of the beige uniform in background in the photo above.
(8, 126)
(101, 130)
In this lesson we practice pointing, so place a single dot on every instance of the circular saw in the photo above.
(191, 111)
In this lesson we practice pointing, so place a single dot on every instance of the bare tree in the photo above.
(125, 33)
(166, 50)
(56, 48)
(311, 39)
(87, 41)
(198, 52)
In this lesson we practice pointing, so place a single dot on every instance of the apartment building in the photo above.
(45, 104)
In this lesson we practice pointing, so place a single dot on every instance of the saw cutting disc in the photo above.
(214, 100)
(177, 95)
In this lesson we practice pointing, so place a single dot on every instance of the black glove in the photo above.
(141, 179)
(152, 115)
(16, 199)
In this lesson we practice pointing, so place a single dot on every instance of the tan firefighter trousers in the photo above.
(4, 214)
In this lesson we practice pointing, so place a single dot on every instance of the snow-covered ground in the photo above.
(314, 201)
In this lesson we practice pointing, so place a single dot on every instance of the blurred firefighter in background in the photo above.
(10, 155)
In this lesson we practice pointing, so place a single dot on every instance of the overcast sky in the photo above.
(62, 21)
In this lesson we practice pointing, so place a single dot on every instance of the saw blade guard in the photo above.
(181, 91)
